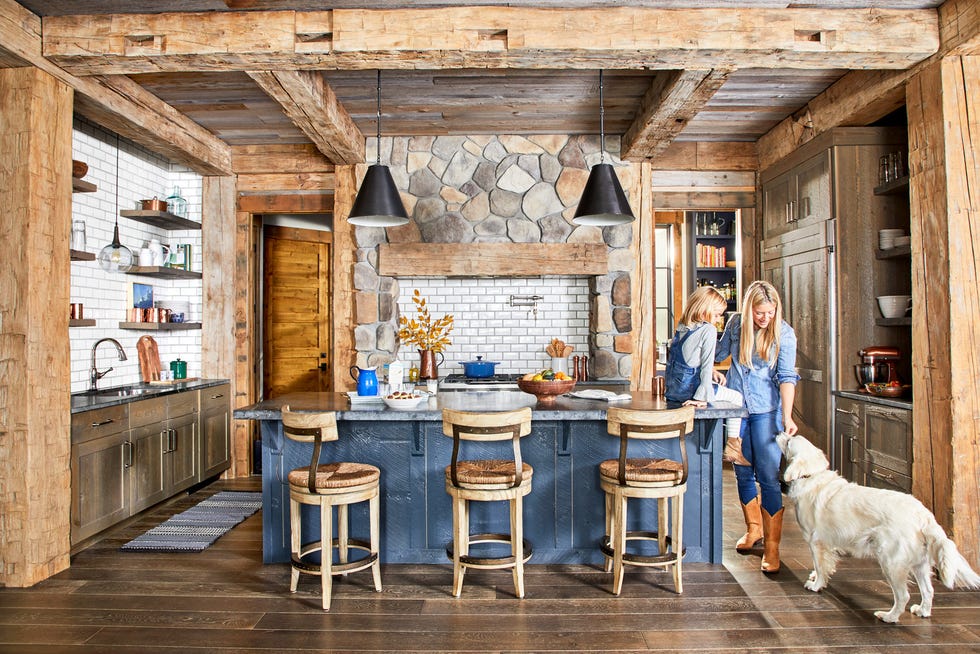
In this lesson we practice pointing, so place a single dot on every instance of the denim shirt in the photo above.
(759, 384)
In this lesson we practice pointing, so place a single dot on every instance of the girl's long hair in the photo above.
(765, 342)
(700, 304)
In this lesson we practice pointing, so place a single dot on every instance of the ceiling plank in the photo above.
(668, 105)
(492, 37)
(118, 103)
(313, 107)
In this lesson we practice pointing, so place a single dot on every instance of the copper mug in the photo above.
(76, 311)
(659, 386)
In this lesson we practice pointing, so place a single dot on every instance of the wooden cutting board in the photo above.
(149, 357)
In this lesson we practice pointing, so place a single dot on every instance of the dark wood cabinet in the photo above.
(215, 437)
(100, 456)
(875, 443)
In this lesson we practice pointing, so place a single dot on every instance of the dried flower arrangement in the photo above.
(423, 331)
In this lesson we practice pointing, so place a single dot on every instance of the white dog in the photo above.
(838, 517)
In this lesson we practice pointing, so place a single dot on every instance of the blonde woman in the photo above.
(690, 375)
(763, 350)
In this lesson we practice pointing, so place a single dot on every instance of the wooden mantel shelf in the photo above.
(492, 259)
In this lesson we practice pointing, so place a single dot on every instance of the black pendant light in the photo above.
(377, 203)
(603, 201)
(116, 257)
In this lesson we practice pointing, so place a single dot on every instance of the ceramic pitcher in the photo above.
(367, 380)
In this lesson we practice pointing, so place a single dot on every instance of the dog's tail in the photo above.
(954, 570)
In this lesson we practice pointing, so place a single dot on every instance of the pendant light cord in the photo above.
(116, 213)
(602, 121)
(378, 153)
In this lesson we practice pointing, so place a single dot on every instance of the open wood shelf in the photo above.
(160, 326)
(891, 253)
(81, 186)
(81, 322)
(904, 321)
(161, 219)
(164, 272)
(80, 255)
(894, 187)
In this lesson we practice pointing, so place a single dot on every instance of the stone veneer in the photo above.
(503, 188)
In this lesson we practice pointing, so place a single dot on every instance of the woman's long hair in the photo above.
(701, 303)
(765, 342)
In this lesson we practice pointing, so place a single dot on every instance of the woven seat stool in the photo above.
(657, 478)
(487, 480)
(329, 485)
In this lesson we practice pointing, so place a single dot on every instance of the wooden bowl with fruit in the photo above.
(546, 385)
(893, 389)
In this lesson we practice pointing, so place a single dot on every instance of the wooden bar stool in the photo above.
(328, 485)
(661, 479)
(487, 480)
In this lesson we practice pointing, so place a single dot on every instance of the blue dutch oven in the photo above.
(479, 368)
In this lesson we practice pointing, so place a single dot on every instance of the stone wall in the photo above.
(468, 189)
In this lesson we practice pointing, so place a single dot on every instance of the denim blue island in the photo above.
(563, 515)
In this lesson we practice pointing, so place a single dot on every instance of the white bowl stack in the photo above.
(886, 238)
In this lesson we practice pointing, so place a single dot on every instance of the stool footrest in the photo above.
(664, 558)
(490, 561)
(298, 563)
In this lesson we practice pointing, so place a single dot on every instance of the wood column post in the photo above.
(35, 370)
(643, 299)
(344, 258)
(944, 161)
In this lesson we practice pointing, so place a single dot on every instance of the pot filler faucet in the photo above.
(95, 374)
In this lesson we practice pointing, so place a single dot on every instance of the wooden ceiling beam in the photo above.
(671, 101)
(117, 103)
(313, 107)
(492, 37)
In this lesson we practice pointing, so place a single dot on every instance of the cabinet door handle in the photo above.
(805, 206)
(128, 446)
(172, 438)
(103, 422)
(881, 475)
(786, 213)
(839, 410)
(218, 396)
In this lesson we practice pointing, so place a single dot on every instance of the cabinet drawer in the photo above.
(182, 404)
(96, 424)
(217, 397)
(880, 477)
(148, 412)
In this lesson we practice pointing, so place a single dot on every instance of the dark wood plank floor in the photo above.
(225, 600)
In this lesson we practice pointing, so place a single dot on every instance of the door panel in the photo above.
(296, 311)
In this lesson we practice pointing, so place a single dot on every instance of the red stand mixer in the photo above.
(879, 365)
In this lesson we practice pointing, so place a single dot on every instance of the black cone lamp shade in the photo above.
(603, 201)
(377, 203)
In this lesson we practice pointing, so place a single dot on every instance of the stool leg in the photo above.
(619, 546)
(607, 564)
(295, 539)
(677, 538)
(375, 510)
(460, 541)
(343, 533)
(517, 542)
(663, 515)
(326, 551)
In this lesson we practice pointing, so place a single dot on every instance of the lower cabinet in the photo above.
(129, 457)
(875, 443)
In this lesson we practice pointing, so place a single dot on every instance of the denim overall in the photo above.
(681, 379)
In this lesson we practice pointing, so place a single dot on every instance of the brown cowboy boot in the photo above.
(772, 529)
(733, 452)
(753, 524)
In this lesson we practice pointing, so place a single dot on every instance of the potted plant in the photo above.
(430, 336)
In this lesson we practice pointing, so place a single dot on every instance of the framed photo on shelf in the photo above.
(142, 296)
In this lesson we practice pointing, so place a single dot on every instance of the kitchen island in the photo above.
(563, 515)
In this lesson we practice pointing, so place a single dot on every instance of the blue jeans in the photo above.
(759, 446)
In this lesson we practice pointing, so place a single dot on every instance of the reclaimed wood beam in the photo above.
(668, 105)
(637, 38)
(279, 158)
(707, 155)
(492, 259)
(117, 103)
(313, 107)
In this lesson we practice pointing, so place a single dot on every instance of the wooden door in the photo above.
(296, 311)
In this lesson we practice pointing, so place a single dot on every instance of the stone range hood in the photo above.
(484, 206)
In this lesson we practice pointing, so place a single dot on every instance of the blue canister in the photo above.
(367, 380)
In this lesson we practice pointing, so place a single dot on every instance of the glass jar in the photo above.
(78, 235)
(176, 204)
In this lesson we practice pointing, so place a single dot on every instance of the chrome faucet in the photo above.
(95, 374)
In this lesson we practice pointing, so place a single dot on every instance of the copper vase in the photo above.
(428, 367)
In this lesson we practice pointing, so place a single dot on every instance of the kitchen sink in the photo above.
(113, 392)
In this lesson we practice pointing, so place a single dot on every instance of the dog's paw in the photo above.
(921, 611)
(814, 583)
(886, 616)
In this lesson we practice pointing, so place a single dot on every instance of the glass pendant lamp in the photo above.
(116, 257)
(603, 201)
(377, 203)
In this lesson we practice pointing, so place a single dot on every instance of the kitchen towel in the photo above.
(599, 394)
(196, 528)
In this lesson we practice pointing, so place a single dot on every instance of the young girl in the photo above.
(763, 350)
(690, 376)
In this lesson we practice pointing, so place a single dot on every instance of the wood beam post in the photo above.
(944, 163)
(344, 258)
(35, 371)
(642, 294)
